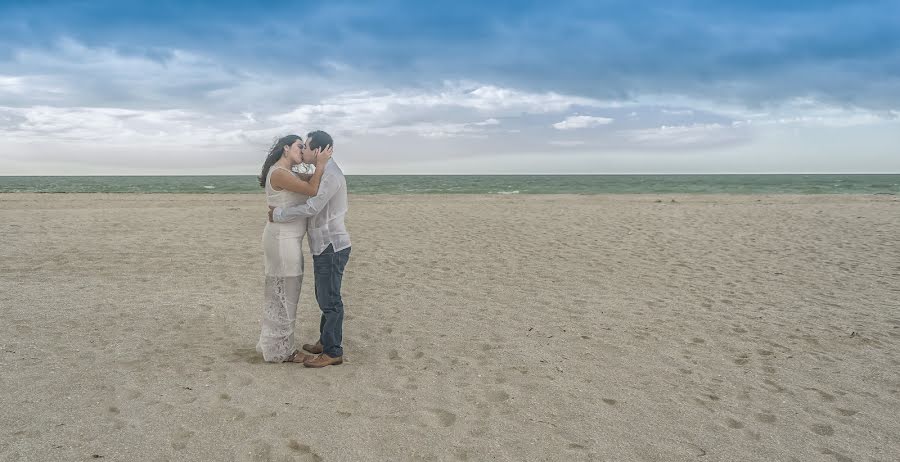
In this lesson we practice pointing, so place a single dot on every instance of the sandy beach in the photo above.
(644, 327)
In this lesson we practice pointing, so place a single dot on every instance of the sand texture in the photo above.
(714, 328)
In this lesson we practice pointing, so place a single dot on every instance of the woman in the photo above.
(282, 247)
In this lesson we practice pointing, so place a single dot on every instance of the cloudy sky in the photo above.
(703, 86)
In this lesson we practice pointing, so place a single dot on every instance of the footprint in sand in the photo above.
(246, 355)
(181, 438)
(736, 424)
(234, 414)
(304, 450)
(822, 429)
(461, 454)
(256, 450)
(440, 418)
(775, 386)
(755, 436)
(837, 456)
(827, 397)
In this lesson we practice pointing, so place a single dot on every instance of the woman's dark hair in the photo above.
(319, 139)
(275, 153)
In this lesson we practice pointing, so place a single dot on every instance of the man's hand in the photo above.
(322, 156)
(271, 209)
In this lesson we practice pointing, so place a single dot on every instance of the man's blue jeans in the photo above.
(329, 271)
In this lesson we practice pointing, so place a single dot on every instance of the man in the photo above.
(329, 243)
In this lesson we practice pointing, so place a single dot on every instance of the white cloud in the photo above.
(431, 130)
(454, 109)
(811, 113)
(71, 65)
(20, 86)
(677, 111)
(11, 84)
(124, 127)
(491, 121)
(372, 106)
(575, 122)
(493, 98)
(135, 105)
(444, 111)
(679, 136)
(71, 74)
(566, 143)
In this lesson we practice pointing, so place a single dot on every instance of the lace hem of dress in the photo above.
(276, 337)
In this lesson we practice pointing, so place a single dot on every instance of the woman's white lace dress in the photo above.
(284, 275)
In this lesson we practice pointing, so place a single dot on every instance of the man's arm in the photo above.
(330, 185)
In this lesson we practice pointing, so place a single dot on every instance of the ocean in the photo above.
(479, 184)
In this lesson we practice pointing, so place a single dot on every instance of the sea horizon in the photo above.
(470, 174)
(705, 183)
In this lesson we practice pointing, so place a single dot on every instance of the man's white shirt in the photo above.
(325, 210)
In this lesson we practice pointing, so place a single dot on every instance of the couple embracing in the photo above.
(312, 205)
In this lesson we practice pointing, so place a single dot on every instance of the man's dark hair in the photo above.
(319, 139)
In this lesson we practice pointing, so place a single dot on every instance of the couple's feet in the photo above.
(323, 360)
(319, 360)
(314, 349)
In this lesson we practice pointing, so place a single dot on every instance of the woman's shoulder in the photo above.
(278, 171)
(272, 180)
(282, 170)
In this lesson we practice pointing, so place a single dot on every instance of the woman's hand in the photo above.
(323, 156)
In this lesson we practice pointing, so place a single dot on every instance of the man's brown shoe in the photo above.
(314, 349)
(323, 360)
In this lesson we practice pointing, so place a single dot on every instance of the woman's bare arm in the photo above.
(285, 180)
(282, 179)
